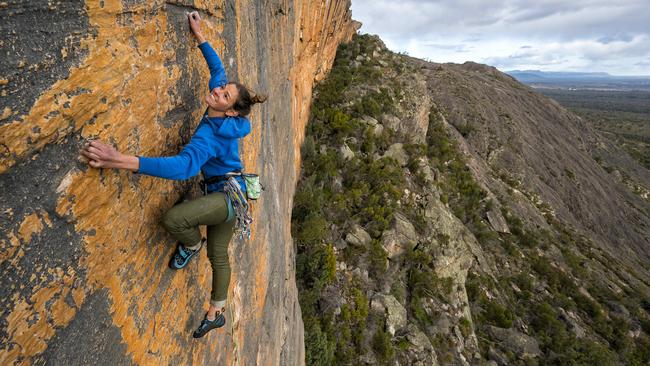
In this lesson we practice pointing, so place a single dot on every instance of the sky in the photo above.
(571, 35)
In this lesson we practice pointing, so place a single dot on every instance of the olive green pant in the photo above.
(182, 222)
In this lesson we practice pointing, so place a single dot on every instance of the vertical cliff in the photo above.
(83, 261)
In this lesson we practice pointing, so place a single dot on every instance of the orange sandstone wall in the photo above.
(83, 260)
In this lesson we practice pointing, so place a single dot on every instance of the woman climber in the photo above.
(213, 150)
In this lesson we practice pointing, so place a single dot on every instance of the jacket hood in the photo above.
(230, 127)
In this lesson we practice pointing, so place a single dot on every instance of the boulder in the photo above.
(425, 169)
(571, 321)
(358, 236)
(417, 338)
(378, 130)
(346, 152)
(397, 152)
(369, 120)
(340, 244)
(522, 345)
(399, 236)
(497, 221)
(360, 274)
(390, 121)
(396, 313)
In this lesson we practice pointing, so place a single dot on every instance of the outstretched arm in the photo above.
(217, 71)
(185, 165)
(195, 25)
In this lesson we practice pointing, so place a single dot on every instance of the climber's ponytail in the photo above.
(246, 100)
(258, 98)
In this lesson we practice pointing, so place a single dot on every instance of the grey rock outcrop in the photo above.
(497, 221)
(346, 152)
(524, 346)
(390, 121)
(399, 236)
(396, 313)
(397, 152)
(422, 352)
(358, 236)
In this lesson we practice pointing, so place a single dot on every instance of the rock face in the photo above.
(82, 248)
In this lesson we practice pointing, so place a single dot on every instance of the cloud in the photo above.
(450, 47)
(613, 38)
(550, 34)
(576, 55)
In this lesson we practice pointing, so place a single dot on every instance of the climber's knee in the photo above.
(172, 221)
(219, 261)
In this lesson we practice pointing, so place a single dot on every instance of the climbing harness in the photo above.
(252, 182)
(237, 204)
(237, 199)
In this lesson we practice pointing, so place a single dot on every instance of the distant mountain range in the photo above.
(580, 80)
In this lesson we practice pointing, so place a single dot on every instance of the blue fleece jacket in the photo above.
(213, 149)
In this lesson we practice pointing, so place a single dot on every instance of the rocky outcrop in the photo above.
(82, 248)
(396, 151)
(511, 340)
(401, 235)
(395, 312)
(358, 236)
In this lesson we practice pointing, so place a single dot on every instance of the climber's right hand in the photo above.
(195, 25)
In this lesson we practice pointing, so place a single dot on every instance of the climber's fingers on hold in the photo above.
(99, 144)
(96, 164)
(93, 150)
(101, 149)
(91, 156)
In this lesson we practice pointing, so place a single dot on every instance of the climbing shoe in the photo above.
(182, 256)
(208, 325)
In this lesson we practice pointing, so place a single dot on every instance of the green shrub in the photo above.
(383, 347)
(312, 230)
(319, 350)
(465, 326)
(378, 260)
(498, 315)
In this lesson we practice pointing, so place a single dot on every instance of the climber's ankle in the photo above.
(214, 310)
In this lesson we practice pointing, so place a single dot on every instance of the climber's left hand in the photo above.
(103, 155)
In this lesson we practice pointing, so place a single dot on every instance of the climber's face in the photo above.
(223, 98)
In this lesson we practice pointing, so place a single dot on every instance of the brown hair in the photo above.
(246, 99)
